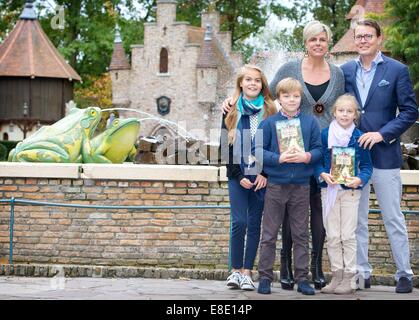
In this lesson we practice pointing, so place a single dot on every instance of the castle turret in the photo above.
(211, 17)
(119, 70)
(206, 69)
(166, 12)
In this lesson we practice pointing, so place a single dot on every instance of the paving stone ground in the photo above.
(28, 288)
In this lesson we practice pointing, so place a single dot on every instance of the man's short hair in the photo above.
(370, 23)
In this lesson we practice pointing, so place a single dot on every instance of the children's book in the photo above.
(343, 163)
(289, 135)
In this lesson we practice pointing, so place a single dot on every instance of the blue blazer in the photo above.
(363, 165)
(391, 89)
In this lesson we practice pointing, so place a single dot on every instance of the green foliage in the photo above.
(402, 34)
(242, 18)
(3, 152)
(87, 39)
(333, 13)
(5, 148)
(10, 11)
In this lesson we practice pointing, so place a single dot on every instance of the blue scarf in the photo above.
(248, 107)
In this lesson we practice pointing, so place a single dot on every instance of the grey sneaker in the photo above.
(247, 283)
(234, 279)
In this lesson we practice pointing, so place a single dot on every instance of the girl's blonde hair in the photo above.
(313, 28)
(269, 106)
(288, 85)
(346, 99)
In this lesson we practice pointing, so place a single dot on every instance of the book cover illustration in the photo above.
(289, 135)
(343, 163)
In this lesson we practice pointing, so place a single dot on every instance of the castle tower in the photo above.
(206, 70)
(166, 12)
(119, 70)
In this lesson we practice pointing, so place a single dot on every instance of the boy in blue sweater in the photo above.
(288, 186)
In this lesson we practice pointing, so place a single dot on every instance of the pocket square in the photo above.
(383, 83)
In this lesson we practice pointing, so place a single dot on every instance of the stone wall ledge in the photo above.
(129, 171)
(126, 171)
(39, 170)
(150, 172)
(75, 271)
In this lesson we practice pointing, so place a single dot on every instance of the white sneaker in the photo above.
(234, 280)
(247, 283)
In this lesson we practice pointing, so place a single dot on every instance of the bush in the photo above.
(3, 152)
(8, 145)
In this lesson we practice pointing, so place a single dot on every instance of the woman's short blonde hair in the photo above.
(313, 28)
(288, 85)
(346, 99)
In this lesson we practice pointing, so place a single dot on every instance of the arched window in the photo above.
(164, 61)
(5, 136)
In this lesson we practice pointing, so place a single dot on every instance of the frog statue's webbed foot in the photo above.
(40, 153)
(132, 154)
(97, 159)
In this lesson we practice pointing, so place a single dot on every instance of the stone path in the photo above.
(17, 288)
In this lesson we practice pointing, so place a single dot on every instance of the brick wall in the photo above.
(187, 238)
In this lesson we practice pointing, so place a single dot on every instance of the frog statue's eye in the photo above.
(116, 123)
(93, 113)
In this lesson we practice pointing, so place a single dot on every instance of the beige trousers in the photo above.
(340, 225)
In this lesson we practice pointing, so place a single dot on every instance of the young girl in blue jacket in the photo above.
(340, 201)
(251, 103)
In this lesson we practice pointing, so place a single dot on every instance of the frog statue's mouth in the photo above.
(127, 130)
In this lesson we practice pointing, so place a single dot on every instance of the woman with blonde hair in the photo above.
(251, 103)
(322, 84)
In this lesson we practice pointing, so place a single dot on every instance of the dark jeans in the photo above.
(295, 200)
(246, 215)
(318, 232)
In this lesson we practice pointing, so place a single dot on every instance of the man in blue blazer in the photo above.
(382, 86)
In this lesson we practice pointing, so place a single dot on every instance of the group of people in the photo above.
(366, 104)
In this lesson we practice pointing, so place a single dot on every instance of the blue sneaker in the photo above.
(264, 286)
(305, 288)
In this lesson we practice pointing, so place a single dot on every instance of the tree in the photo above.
(402, 34)
(10, 11)
(243, 18)
(87, 38)
(333, 13)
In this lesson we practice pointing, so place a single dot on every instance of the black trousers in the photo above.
(318, 232)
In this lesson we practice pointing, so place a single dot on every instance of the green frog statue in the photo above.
(62, 141)
(70, 140)
(114, 144)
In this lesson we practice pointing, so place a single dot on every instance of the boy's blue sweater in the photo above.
(363, 163)
(289, 173)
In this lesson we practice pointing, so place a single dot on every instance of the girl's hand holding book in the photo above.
(328, 178)
(353, 182)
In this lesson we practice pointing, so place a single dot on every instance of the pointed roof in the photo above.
(28, 52)
(346, 43)
(119, 59)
